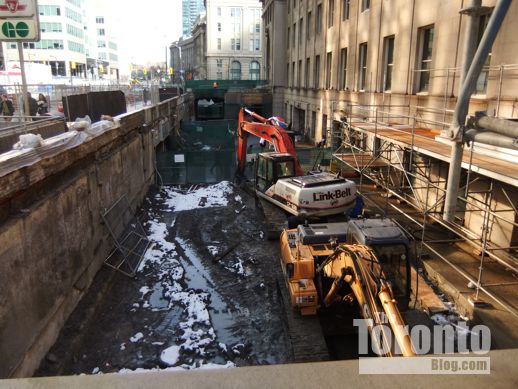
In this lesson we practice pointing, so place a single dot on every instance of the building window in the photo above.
(51, 27)
(258, 28)
(306, 75)
(365, 4)
(481, 86)
(219, 43)
(101, 44)
(308, 26)
(299, 73)
(219, 75)
(73, 15)
(219, 27)
(425, 57)
(319, 19)
(288, 73)
(219, 11)
(99, 20)
(219, 63)
(235, 12)
(235, 44)
(345, 9)
(330, 13)
(100, 32)
(343, 69)
(329, 62)
(362, 66)
(294, 33)
(235, 70)
(388, 59)
(301, 30)
(255, 70)
(293, 74)
(49, 10)
(316, 73)
(76, 47)
(255, 44)
(44, 44)
(289, 37)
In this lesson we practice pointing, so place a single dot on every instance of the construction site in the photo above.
(220, 235)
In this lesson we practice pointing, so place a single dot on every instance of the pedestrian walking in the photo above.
(33, 105)
(43, 105)
(7, 108)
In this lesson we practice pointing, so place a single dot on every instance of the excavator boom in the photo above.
(267, 129)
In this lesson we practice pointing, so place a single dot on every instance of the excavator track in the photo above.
(275, 219)
(305, 332)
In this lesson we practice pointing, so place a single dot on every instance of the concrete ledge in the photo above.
(305, 375)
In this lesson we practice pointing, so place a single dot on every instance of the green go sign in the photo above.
(13, 29)
(18, 30)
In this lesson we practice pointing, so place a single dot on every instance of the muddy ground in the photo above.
(205, 295)
(187, 307)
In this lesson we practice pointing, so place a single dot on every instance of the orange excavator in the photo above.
(361, 262)
(279, 178)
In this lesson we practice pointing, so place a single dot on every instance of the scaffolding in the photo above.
(401, 168)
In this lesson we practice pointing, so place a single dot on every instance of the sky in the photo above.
(144, 28)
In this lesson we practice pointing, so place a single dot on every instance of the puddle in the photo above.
(198, 277)
(156, 298)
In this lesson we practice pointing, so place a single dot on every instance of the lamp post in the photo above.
(180, 60)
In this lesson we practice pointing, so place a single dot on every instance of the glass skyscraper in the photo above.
(190, 11)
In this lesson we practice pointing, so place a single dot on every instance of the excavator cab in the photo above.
(270, 167)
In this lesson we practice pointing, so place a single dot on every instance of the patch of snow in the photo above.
(223, 347)
(213, 250)
(170, 355)
(96, 370)
(135, 338)
(210, 196)
(261, 234)
(158, 343)
(237, 268)
(238, 199)
(123, 346)
(144, 290)
(227, 365)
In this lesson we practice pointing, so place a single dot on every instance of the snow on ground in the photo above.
(210, 196)
(197, 332)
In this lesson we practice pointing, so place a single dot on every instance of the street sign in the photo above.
(18, 8)
(19, 29)
(19, 21)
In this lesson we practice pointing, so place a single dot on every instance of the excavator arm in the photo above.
(266, 129)
(358, 266)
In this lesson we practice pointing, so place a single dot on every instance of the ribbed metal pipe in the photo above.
(491, 138)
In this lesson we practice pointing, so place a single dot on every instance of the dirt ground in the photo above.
(189, 305)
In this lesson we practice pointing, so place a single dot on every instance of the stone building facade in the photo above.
(321, 53)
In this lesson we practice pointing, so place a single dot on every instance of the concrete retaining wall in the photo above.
(52, 241)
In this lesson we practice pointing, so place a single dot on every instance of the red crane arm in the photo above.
(266, 130)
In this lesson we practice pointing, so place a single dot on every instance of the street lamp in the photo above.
(174, 44)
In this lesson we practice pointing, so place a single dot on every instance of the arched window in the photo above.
(235, 70)
(255, 71)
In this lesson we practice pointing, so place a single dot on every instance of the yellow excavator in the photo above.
(328, 264)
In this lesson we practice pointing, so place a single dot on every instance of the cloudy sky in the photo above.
(144, 29)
